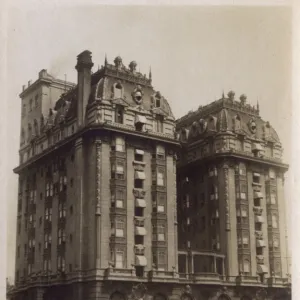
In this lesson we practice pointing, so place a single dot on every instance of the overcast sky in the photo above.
(194, 52)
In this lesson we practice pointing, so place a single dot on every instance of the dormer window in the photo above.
(237, 122)
(212, 123)
(157, 102)
(140, 121)
(118, 90)
(119, 117)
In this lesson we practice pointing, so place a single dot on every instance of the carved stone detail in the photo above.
(226, 196)
(98, 177)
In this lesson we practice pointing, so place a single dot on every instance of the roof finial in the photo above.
(257, 106)
(150, 74)
(105, 61)
(223, 95)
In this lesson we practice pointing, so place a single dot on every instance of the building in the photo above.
(231, 207)
(97, 209)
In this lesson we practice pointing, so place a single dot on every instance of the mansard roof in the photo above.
(229, 116)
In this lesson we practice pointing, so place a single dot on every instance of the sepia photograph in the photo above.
(148, 151)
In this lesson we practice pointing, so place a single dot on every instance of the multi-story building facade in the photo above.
(231, 205)
(97, 210)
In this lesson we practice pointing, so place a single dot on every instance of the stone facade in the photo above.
(103, 182)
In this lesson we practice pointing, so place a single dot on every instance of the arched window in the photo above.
(212, 123)
(202, 125)
(237, 122)
(118, 90)
(183, 135)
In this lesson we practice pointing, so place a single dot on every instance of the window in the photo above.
(62, 210)
(258, 226)
(119, 114)
(159, 232)
(32, 220)
(62, 183)
(119, 259)
(161, 260)
(138, 155)
(273, 198)
(138, 183)
(61, 236)
(246, 266)
(160, 152)
(47, 241)
(47, 264)
(257, 202)
(120, 226)
(117, 171)
(49, 189)
(24, 110)
(159, 123)
(30, 104)
(256, 178)
(118, 91)
(61, 263)
(36, 100)
(259, 250)
(274, 221)
(120, 144)
(48, 214)
(160, 178)
(118, 197)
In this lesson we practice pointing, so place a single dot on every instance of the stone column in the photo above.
(79, 163)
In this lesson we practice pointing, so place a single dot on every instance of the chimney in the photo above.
(29, 82)
(83, 67)
(23, 87)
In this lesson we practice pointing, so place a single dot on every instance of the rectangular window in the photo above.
(120, 228)
(160, 152)
(273, 198)
(48, 214)
(47, 241)
(120, 144)
(161, 260)
(119, 114)
(61, 236)
(138, 183)
(61, 263)
(62, 210)
(159, 123)
(160, 178)
(139, 155)
(119, 259)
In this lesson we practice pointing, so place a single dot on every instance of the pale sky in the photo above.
(194, 52)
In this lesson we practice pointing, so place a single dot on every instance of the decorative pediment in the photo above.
(120, 101)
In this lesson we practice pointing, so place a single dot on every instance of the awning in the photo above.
(262, 269)
(140, 230)
(140, 175)
(256, 174)
(257, 147)
(258, 195)
(140, 261)
(140, 203)
(140, 119)
(260, 243)
(259, 219)
(141, 152)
